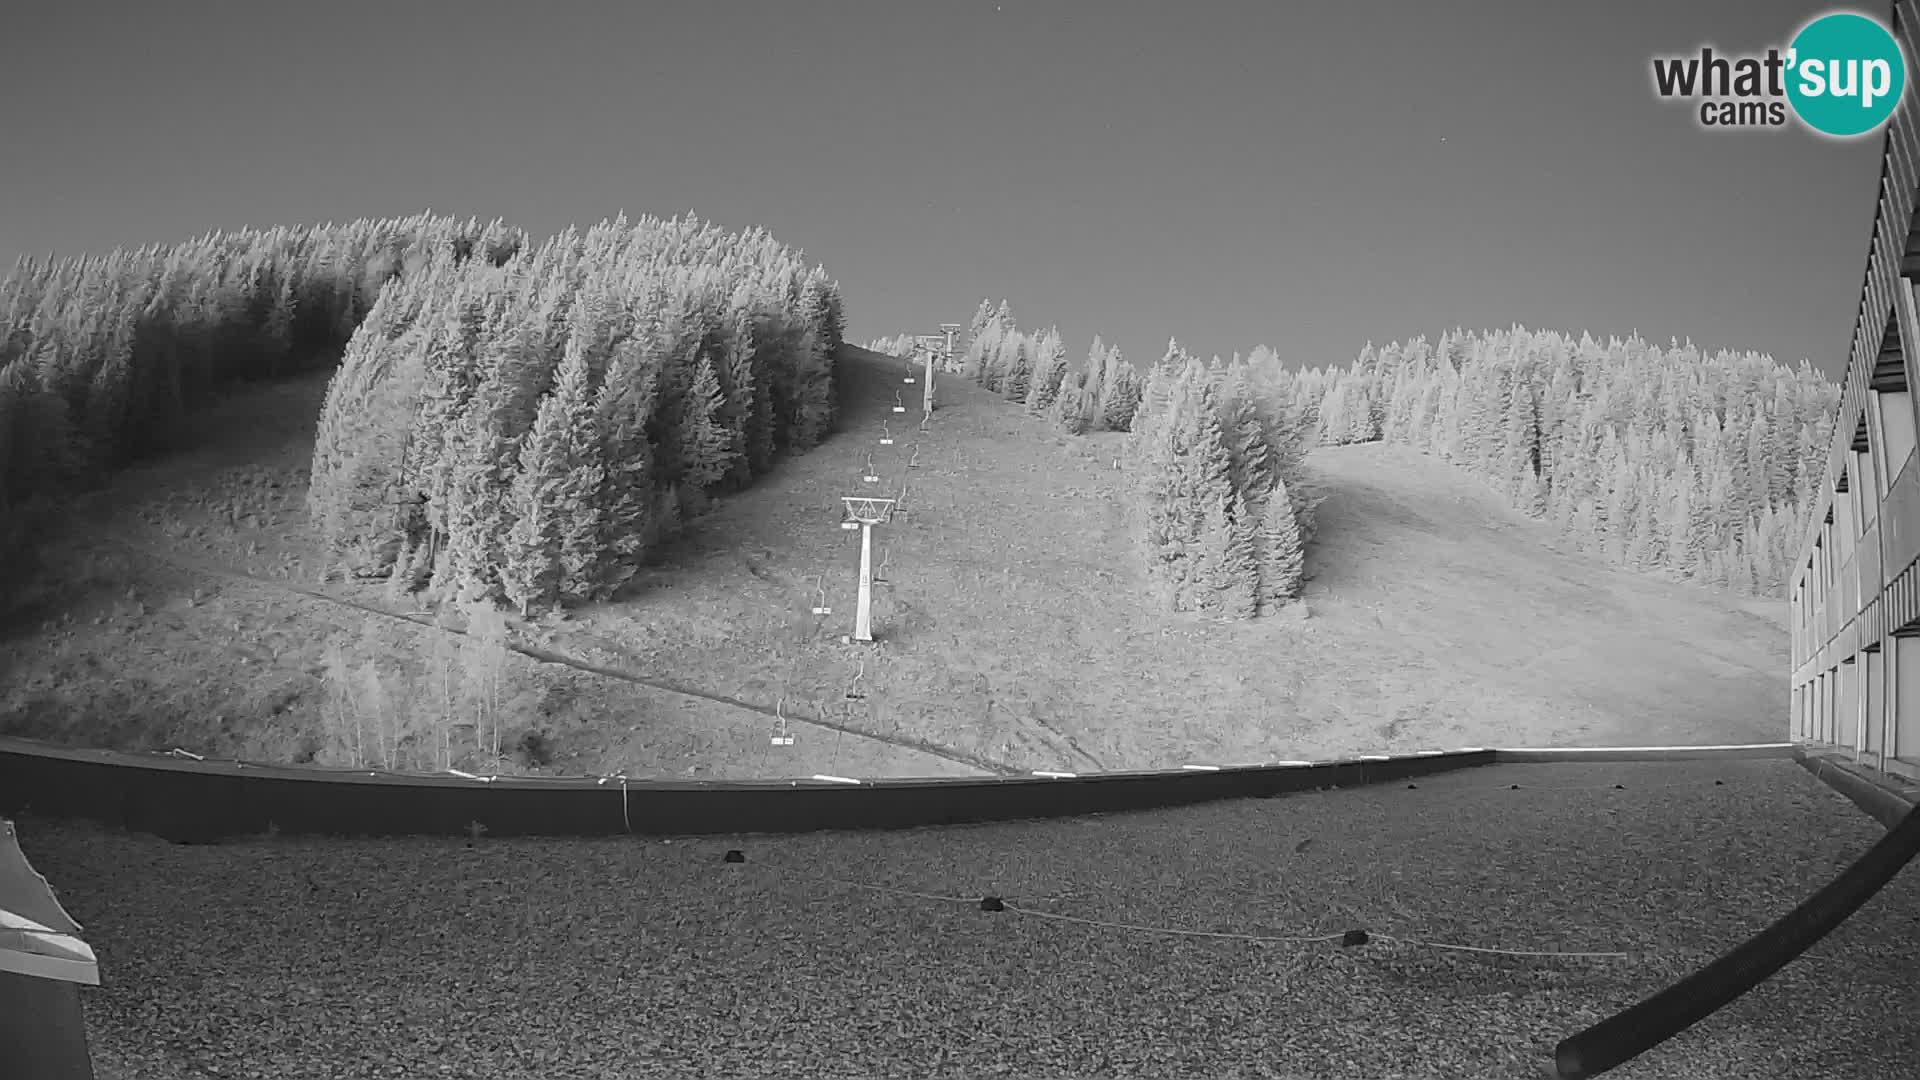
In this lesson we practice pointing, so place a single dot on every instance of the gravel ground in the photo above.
(427, 958)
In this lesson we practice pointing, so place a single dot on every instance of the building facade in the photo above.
(1855, 593)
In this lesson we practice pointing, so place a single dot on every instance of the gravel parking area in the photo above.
(292, 958)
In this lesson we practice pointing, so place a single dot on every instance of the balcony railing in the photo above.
(1901, 517)
(1848, 588)
(1867, 558)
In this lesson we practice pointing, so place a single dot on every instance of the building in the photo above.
(43, 964)
(1855, 593)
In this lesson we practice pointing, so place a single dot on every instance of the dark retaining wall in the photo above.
(192, 801)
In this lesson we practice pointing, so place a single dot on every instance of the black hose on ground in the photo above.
(1625, 1035)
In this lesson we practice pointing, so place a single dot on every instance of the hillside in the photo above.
(186, 610)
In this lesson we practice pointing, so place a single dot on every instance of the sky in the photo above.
(1305, 176)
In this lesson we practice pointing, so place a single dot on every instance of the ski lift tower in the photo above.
(930, 345)
(868, 512)
(949, 330)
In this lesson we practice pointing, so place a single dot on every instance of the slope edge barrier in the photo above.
(190, 800)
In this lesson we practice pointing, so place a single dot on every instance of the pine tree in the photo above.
(577, 498)
(452, 362)
(1644, 545)
(1253, 467)
(982, 317)
(1229, 537)
(1003, 318)
(623, 409)
(1165, 519)
(814, 389)
(1094, 382)
(1119, 392)
(484, 449)
(476, 508)
(105, 411)
(997, 365)
(1156, 399)
(1049, 369)
(529, 568)
(981, 352)
(1197, 532)
(1682, 544)
(1617, 523)
(1522, 439)
(1070, 406)
(277, 331)
(707, 450)
(1402, 397)
(1281, 548)
(1016, 368)
(1336, 421)
(752, 400)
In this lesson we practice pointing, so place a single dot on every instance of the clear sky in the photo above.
(1308, 176)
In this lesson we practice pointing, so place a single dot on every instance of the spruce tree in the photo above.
(530, 552)
(1003, 318)
(452, 363)
(1682, 547)
(1519, 458)
(995, 364)
(623, 409)
(755, 405)
(1017, 369)
(981, 352)
(1336, 419)
(1119, 392)
(814, 390)
(982, 317)
(484, 450)
(1253, 465)
(1281, 548)
(707, 447)
(1644, 543)
(1229, 536)
(577, 497)
(106, 407)
(1094, 377)
(1197, 533)
(1049, 369)
(1168, 513)
(1070, 406)
(1156, 399)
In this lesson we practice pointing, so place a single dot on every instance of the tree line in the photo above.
(1221, 497)
(102, 358)
(527, 432)
(506, 421)
(1215, 454)
(1700, 465)
(1671, 459)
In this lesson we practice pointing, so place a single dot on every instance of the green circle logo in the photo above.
(1846, 74)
